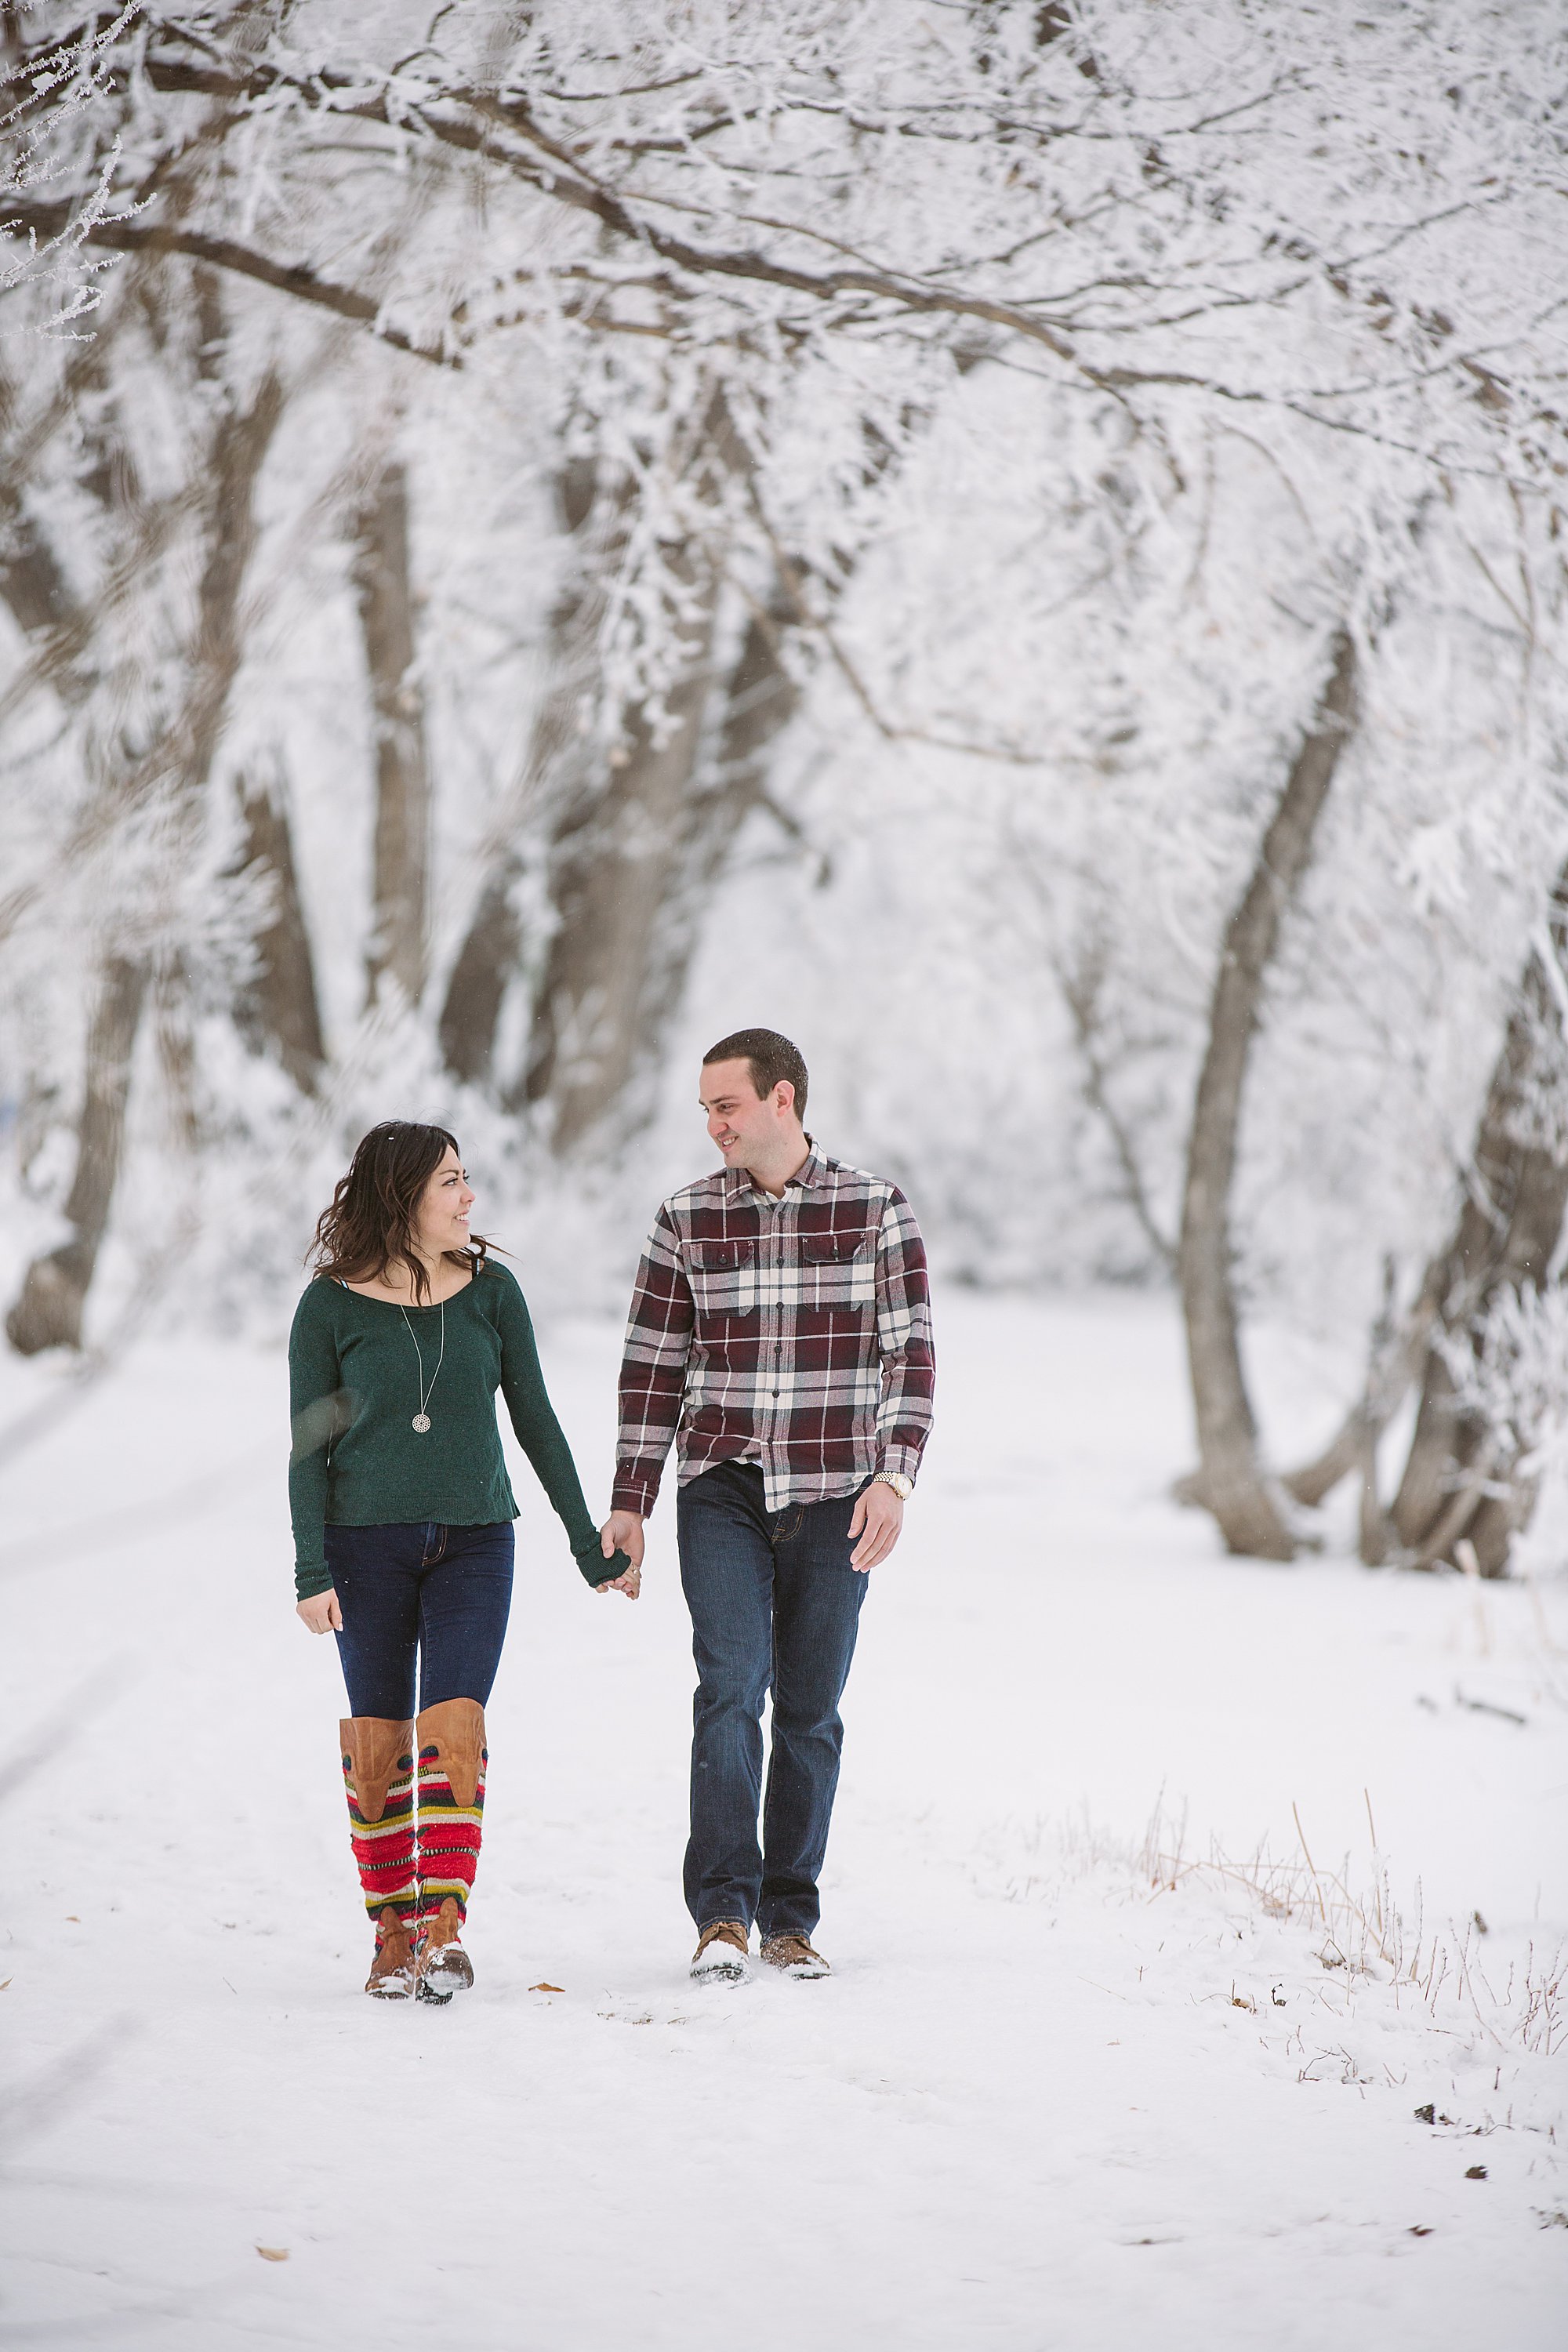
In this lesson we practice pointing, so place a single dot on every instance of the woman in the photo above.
(402, 1514)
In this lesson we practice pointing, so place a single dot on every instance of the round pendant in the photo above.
(422, 1423)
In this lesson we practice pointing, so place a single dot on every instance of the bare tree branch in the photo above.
(226, 253)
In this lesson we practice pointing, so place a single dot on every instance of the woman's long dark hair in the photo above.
(370, 1224)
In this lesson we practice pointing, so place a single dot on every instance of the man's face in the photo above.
(742, 1123)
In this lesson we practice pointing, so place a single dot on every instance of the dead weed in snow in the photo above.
(1352, 1928)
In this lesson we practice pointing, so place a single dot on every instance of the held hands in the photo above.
(621, 1531)
(877, 1520)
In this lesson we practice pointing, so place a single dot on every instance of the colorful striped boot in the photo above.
(452, 1760)
(378, 1781)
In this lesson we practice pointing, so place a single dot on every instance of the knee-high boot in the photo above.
(452, 1760)
(378, 1781)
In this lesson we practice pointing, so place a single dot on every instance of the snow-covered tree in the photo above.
(1033, 463)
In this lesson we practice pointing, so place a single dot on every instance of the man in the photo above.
(780, 1333)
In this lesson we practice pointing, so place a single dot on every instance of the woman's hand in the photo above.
(321, 1612)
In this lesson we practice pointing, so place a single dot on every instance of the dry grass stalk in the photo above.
(1365, 1932)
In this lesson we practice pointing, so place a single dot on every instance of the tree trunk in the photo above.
(1506, 1235)
(400, 883)
(760, 698)
(487, 964)
(617, 847)
(632, 856)
(49, 1311)
(1232, 1484)
(614, 857)
(594, 515)
(277, 1007)
(654, 951)
(34, 583)
(633, 861)
(1394, 1359)
(239, 448)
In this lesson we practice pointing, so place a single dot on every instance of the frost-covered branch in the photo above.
(120, 233)
(55, 94)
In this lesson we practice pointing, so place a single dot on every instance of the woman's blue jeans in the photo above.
(420, 1600)
(774, 1606)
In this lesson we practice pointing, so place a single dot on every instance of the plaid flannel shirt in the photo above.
(792, 1333)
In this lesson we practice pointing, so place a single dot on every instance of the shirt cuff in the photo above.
(311, 1579)
(904, 1459)
(636, 1487)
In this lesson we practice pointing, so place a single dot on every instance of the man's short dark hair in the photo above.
(770, 1056)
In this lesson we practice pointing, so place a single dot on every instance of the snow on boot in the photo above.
(795, 1955)
(377, 1754)
(392, 1973)
(720, 1954)
(442, 1960)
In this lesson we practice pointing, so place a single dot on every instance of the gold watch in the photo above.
(902, 1487)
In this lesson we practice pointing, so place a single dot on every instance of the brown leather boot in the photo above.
(377, 1756)
(795, 1956)
(449, 1740)
(378, 1761)
(720, 1952)
(451, 1743)
(392, 1973)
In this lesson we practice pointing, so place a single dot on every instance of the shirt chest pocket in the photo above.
(837, 1270)
(723, 1276)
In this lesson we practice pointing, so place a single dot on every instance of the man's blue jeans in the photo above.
(775, 1604)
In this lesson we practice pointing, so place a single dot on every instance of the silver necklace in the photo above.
(422, 1418)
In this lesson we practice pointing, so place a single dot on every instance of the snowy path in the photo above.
(1026, 2113)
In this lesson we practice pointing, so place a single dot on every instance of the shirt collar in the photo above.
(813, 1171)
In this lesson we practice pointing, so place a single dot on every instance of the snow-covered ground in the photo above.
(1042, 2102)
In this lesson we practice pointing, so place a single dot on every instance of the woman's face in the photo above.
(442, 1220)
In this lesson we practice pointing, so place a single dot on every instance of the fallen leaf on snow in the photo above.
(273, 2254)
(1476, 2172)
(1421, 2229)
(546, 1988)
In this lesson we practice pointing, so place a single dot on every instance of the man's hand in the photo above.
(879, 1520)
(321, 1612)
(621, 1531)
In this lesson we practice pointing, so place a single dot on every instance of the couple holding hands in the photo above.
(780, 1334)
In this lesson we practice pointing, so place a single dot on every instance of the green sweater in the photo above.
(354, 1388)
